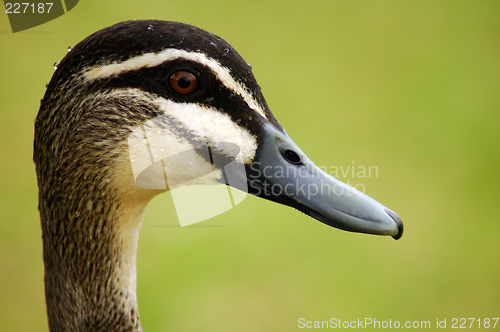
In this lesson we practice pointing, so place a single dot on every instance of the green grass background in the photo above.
(412, 87)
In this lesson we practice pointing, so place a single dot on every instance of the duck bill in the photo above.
(282, 173)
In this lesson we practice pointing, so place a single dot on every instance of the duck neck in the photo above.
(89, 249)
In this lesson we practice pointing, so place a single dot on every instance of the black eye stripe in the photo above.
(211, 91)
(156, 79)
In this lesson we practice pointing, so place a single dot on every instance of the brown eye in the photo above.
(183, 82)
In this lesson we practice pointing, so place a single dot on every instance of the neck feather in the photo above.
(90, 247)
(90, 207)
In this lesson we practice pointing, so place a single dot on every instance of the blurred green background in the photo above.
(412, 87)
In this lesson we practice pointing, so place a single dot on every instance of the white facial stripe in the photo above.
(212, 125)
(149, 60)
(157, 144)
(203, 122)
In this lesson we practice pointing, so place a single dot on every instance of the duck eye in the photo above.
(291, 156)
(183, 82)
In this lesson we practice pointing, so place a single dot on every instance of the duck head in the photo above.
(205, 94)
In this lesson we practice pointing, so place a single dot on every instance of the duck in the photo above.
(196, 93)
